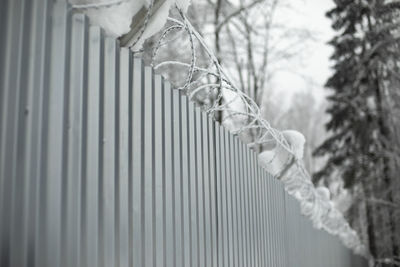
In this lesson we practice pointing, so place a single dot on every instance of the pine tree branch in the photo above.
(383, 202)
(394, 262)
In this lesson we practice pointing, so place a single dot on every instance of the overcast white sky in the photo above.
(315, 64)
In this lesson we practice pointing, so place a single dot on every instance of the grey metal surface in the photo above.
(103, 164)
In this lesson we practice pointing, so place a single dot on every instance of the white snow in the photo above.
(323, 193)
(277, 159)
(296, 141)
(315, 203)
(116, 19)
(155, 24)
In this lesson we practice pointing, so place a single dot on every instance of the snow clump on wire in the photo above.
(315, 203)
(115, 16)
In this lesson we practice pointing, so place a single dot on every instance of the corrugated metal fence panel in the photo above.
(102, 164)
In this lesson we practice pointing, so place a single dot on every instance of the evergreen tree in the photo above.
(362, 147)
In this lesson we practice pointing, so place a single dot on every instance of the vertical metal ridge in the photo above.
(159, 162)
(288, 231)
(100, 184)
(169, 150)
(148, 222)
(84, 135)
(253, 255)
(291, 234)
(270, 223)
(228, 184)
(257, 208)
(280, 222)
(72, 167)
(227, 190)
(201, 251)
(19, 180)
(40, 240)
(186, 255)
(224, 208)
(213, 191)
(235, 199)
(40, 26)
(107, 196)
(251, 208)
(245, 207)
(90, 185)
(265, 218)
(55, 134)
(123, 144)
(242, 233)
(116, 154)
(10, 88)
(218, 195)
(177, 180)
(152, 194)
(207, 192)
(260, 216)
(117, 157)
(193, 193)
(11, 61)
(271, 239)
(4, 17)
(65, 161)
(283, 223)
(254, 207)
(136, 247)
(276, 220)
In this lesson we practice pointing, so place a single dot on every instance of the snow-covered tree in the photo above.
(363, 148)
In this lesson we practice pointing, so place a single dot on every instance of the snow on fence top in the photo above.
(133, 21)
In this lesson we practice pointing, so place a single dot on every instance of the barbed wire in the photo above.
(144, 24)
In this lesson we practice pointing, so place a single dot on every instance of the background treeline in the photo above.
(364, 108)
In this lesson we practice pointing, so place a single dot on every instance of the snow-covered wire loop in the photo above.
(192, 49)
(144, 25)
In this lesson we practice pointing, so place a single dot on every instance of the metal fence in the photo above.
(102, 164)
